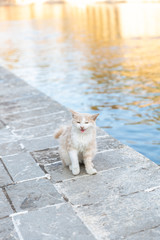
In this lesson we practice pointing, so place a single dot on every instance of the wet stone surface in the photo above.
(31, 195)
(22, 167)
(56, 222)
(59, 173)
(39, 131)
(50, 108)
(10, 148)
(46, 156)
(108, 142)
(22, 104)
(6, 136)
(118, 218)
(113, 184)
(37, 144)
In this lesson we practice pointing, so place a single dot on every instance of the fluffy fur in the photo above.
(78, 142)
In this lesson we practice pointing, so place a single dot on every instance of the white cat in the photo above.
(78, 142)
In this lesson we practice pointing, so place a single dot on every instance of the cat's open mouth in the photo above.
(82, 129)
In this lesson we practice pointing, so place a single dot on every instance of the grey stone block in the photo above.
(59, 173)
(39, 143)
(22, 167)
(37, 121)
(53, 223)
(6, 136)
(46, 156)
(125, 156)
(7, 230)
(10, 148)
(113, 183)
(107, 143)
(12, 92)
(5, 208)
(103, 161)
(4, 177)
(52, 107)
(23, 104)
(120, 205)
(101, 132)
(119, 217)
(39, 131)
(33, 194)
(120, 201)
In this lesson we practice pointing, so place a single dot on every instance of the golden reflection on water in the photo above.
(112, 49)
(107, 24)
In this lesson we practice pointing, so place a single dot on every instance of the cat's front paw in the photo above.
(75, 171)
(91, 171)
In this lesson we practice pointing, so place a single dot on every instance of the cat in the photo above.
(78, 142)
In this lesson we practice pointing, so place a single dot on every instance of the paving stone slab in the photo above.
(39, 131)
(34, 194)
(10, 148)
(37, 121)
(6, 136)
(53, 223)
(7, 230)
(112, 184)
(23, 104)
(103, 161)
(125, 156)
(22, 167)
(49, 108)
(12, 92)
(39, 143)
(5, 208)
(46, 156)
(108, 143)
(59, 173)
(123, 198)
(4, 177)
(8, 77)
(119, 217)
(101, 133)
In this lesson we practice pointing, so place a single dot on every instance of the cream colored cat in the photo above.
(78, 142)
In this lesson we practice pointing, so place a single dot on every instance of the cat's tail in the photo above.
(58, 132)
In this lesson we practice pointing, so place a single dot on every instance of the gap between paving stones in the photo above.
(7, 115)
(9, 199)
(44, 115)
(57, 184)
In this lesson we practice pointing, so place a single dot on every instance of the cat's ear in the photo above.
(73, 113)
(94, 116)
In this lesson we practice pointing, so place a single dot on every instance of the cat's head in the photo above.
(83, 121)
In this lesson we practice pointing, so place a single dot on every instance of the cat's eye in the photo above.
(78, 122)
(86, 122)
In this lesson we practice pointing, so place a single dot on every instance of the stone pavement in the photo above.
(39, 200)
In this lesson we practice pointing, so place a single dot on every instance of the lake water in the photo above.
(92, 58)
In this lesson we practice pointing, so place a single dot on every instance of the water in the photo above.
(99, 58)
